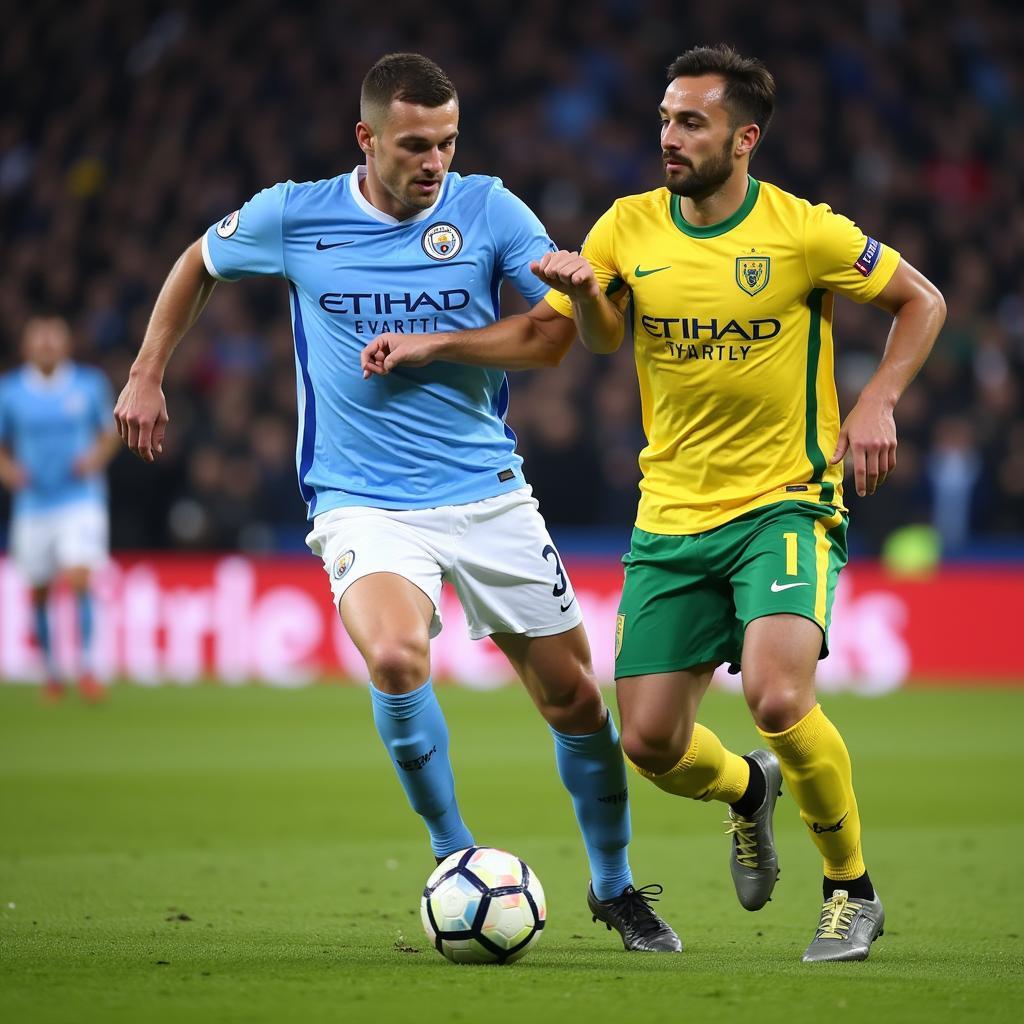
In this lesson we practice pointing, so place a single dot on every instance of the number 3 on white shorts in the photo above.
(561, 585)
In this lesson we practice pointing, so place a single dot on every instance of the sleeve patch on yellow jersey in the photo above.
(868, 258)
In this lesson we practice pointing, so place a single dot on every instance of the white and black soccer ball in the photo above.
(483, 906)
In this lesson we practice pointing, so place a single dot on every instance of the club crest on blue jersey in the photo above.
(227, 227)
(752, 273)
(342, 564)
(441, 241)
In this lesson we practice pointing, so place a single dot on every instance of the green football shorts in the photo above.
(686, 600)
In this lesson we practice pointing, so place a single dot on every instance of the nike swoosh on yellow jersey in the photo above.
(644, 273)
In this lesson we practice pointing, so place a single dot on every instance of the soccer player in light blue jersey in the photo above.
(413, 478)
(55, 442)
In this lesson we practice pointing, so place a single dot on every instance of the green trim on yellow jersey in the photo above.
(714, 230)
(815, 455)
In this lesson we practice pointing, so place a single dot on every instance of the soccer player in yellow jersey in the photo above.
(741, 529)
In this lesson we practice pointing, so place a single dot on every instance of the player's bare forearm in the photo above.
(527, 341)
(185, 292)
(141, 410)
(600, 323)
(919, 312)
(869, 431)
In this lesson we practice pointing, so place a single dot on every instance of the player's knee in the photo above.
(778, 708)
(575, 705)
(398, 665)
(653, 748)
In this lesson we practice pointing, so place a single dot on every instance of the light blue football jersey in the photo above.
(420, 437)
(47, 423)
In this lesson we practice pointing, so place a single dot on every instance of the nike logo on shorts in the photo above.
(566, 607)
(777, 586)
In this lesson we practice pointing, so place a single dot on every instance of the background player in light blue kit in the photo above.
(413, 478)
(55, 442)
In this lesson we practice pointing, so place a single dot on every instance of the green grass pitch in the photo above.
(246, 855)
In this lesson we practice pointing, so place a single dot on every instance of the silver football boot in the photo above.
(846, 930)
(753, 861)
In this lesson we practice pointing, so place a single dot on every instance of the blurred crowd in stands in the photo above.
(126, 129)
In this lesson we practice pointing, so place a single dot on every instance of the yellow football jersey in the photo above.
(732, 335)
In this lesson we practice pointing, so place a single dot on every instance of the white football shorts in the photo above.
(43, 544)
(497, 553)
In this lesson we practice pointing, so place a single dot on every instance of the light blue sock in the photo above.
(413, 729)
(41, 614)
(85, 619)
(593, 771)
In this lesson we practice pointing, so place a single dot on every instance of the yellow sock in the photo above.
(816, 767)
(707, 771)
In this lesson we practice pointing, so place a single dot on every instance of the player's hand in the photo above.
(141, 416)
(869, 435)
(13, 475)
(387, 351)
(567, 272)
(87, 464)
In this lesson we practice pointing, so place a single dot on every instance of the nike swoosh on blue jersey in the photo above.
(331, 245)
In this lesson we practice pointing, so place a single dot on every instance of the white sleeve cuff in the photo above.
(208, 260)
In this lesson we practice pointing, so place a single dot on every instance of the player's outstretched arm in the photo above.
(869, 431)
(599, 321)
(141, 410)
(527, 341)
(535, 339)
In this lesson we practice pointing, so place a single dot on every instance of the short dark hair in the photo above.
(403, 76)
(749, 86)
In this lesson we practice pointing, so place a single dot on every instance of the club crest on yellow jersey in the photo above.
(752, 273)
